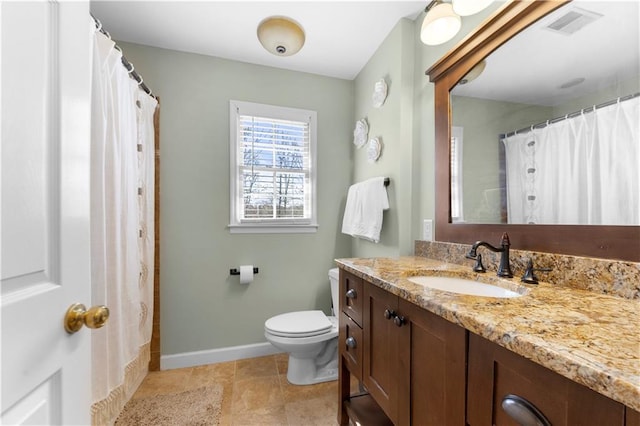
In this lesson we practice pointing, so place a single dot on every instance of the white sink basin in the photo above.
(462, 286)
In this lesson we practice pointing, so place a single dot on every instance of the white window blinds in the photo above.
(273, 167)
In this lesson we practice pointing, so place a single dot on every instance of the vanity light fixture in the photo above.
(281, 36)
(440, 24)
(469, 7)
(443, 22)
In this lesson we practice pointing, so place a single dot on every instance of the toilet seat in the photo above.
(299, 324)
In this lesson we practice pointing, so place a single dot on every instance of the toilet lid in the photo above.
(298, 324)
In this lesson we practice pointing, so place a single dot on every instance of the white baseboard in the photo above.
(212, 356)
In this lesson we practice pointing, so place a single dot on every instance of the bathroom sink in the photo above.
(463, 286)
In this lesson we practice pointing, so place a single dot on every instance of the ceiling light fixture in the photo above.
(473, 73)
(443, 22)
(280, 35)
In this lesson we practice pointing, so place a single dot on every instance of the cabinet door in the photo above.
(432, 364)
(632, 417)
(495, 372)
(380, 348)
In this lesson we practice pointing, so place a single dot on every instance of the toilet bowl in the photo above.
(310, 338)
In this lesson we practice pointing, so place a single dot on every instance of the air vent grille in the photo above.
(573, 20)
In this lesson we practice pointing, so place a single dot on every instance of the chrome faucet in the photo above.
(504, 268)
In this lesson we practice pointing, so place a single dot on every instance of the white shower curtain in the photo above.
(583, 170)
(122, 203)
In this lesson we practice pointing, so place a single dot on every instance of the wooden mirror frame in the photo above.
(609, 242)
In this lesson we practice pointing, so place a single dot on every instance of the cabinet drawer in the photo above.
(496, 373)
(351, 296)
(350, 342)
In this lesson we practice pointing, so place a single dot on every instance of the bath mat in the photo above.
(197, 407)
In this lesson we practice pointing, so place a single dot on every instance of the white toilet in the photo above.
(310, 338)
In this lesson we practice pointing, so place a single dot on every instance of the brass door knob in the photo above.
(77, 315)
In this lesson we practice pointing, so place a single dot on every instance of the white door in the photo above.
(45, 130)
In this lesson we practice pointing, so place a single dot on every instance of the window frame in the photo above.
(456, 159)
(239, 225)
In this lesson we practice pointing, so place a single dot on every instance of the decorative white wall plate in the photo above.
(373, 150)
(360, 133)
(379, 93)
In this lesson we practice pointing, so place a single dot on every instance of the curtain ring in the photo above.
(130, 70)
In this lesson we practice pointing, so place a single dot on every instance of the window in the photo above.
(456, 174)
(273, 178)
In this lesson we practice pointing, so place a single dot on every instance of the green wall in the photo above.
(392, 124)
(202, 306)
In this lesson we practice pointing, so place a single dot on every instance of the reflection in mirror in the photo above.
(546, 129)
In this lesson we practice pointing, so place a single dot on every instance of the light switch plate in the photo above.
(427, 230)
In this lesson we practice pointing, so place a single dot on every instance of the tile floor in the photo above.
(256, 392)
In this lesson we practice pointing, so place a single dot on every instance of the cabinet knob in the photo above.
(351, 342)
(388, 314)
(523, 412)
(399, 320)
(351, 293)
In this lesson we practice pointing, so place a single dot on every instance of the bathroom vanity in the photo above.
(429, 357)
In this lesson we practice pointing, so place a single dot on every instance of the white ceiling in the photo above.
(532, 66)
(341, 36)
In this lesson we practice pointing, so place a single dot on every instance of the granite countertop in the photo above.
(590, 338)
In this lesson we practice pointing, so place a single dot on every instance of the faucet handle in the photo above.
(529, 276)
(479, 267)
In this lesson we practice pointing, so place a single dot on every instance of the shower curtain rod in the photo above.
(128, 65)
(571, 115)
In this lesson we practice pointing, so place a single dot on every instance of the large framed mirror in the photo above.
(517, 105)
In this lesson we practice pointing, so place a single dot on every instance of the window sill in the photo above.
(272, 229)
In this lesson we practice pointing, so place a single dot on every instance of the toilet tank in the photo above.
(334, 279)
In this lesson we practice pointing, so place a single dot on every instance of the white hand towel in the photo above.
(363, 211)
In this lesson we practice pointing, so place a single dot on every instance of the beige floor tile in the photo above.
(227, 400)
(282, 362)
(214, 373)
(267, 416)
(321, 411)
(255, 394)
(293, 393)
(256, 367)
(164, 382)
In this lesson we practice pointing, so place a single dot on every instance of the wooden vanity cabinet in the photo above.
(420, 369)
(495, 372)
(414, 362)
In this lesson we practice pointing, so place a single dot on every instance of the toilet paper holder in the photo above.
(235, 271)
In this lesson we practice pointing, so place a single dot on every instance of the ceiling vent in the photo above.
(572, 21)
